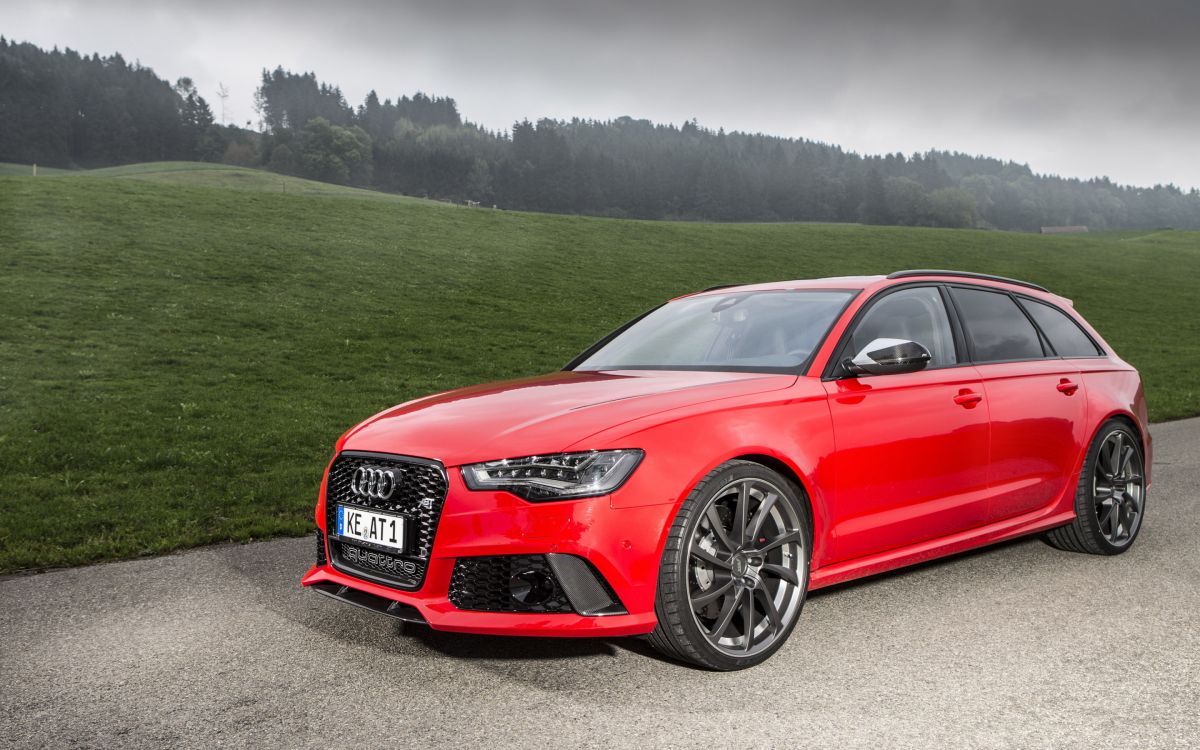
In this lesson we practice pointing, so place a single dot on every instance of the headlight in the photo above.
(559, 476)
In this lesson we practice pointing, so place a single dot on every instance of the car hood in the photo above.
(542, 414)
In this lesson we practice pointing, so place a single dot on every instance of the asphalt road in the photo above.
(1015, 646)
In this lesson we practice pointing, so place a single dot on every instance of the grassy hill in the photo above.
(180, 345)
(21, 170)
(200, 174)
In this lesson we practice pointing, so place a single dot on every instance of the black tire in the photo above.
(771, 569)
(1092, 531)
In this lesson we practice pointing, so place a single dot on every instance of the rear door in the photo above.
(1035, 398)
(911, 449)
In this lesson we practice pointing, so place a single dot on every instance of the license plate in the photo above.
(369, 526)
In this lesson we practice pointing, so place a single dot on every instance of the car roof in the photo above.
(872, 283)
(829, 282)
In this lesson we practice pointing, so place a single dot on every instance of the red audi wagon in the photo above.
(695, 473)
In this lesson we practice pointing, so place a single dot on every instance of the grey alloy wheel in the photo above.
(1118, 487)
(1110, 499)
(734, 571)
(747, 569)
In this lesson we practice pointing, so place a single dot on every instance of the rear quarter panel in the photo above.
(1115, 389)
(1113, 386)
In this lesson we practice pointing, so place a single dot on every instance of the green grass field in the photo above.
(22, 170)
(200, 174)
(180, 345)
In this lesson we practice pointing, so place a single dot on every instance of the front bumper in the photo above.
(623, 544)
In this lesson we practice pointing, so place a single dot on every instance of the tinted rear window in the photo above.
(1065, 335)
(997, 328)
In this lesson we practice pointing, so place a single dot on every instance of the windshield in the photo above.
(773, 331)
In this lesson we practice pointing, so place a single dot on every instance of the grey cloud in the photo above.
(1078, 87)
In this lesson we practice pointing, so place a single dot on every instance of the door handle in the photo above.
(967, 398)
(1066, 386)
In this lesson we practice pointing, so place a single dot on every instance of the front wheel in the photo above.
(1110, 499)
(734, 570)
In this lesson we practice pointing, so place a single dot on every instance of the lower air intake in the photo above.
(551, 584)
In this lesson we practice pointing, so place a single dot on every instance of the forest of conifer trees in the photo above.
(64, 109)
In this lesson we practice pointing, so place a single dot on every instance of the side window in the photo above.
(913, 314)
(997, 328)
(1065, 335)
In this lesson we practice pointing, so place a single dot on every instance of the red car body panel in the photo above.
(897, 469)
(542, 414)
(880, 467)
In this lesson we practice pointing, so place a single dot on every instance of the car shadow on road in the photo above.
(467, 646)
(271, 571)
(472, 646)
(274, 577)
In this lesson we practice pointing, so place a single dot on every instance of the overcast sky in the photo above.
(1074, 87)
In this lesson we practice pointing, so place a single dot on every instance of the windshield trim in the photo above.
(799, 369)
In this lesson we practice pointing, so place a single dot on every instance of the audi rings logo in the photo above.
(377, 484)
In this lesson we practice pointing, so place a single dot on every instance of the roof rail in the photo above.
(965, 275)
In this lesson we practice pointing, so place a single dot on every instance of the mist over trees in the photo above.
(64, 109)
(421, 145)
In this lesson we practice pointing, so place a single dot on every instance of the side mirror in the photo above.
(888, 357)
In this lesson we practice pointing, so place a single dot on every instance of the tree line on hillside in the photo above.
(64, 109)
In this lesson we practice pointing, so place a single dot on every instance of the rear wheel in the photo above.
(734, 571)
(1110, 499)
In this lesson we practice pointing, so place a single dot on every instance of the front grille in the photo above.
(419, 495)
(483, 584)
(321, 558)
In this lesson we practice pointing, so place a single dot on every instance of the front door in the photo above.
(911, 449)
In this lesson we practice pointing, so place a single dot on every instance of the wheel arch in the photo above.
(674, 632)
(1128, 419)
(1143, 436)
(780, 466)
(792, 474)
(806, 488)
